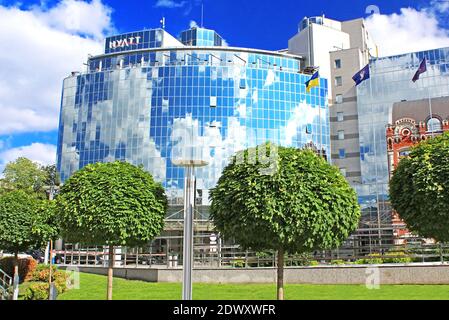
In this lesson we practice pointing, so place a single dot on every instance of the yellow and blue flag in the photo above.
(313, 82)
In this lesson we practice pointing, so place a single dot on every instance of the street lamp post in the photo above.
(189, 204)
(190, 156)
(189, 208)
(52, 190)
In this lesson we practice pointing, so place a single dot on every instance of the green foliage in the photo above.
(27, 267)
(238, 263)
(299, 259)
(265, 259)
(419, 189)
(389, 257)
(42, 273)
(24, 174)
(51, 175)
(18, 217)
(313, 263)
(46, 225)
(396, 257)
(38, 287)
(339, 262)
(37, 291)
(111, 203)
(374, 258)
(305, 205)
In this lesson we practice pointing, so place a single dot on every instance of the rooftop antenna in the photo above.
(202, 14)
(163, 22)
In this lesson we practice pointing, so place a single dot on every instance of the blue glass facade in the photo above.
(201, 37)
(130, 105)
(134, 41)
(391, 82)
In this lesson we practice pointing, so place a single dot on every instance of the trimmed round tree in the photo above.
(302, 205)
(19, 218)
(116, 204)
(419, 189)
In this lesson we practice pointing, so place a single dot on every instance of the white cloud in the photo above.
(43, 154)
(441, 6)
(409, 31)
(170, 4)
(193, 24)
(42, 46)
(90, 18)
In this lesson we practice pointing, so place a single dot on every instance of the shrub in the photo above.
(41, 273)
(265, 259)
(339, 262)
(374, 258)
(60, 278)
(313, 263)
(37, 291)
(301, 259)
(37, 287)
(396, 257)
(238, 263)
(26, 267)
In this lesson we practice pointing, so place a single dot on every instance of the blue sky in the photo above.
(248, 23)
(50, 39)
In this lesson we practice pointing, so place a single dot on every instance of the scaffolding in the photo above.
(211, 251)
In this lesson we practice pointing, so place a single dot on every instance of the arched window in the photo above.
(434, 125)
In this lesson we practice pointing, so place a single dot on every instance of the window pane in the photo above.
(339, 98)
(340, 116)
(337, 64)
(338, 81)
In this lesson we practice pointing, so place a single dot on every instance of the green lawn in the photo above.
(93, 287)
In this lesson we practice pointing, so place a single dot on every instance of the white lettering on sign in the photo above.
(122, 43)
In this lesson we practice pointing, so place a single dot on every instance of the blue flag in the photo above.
(422, 68)
(362, 75)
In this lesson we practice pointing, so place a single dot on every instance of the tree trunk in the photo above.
(110, 271)
(280, 280)
(50, 272)
(16, 276)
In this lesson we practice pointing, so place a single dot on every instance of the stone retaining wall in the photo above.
(388, 274)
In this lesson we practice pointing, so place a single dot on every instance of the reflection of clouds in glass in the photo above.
(165, 103)
(255, 96)
(240, 105)
(221, 150)
(391, 81)
(201, 111)
(211, 147)
(271, 78)
(300, 117)
(241, 110)
(70, 159)
(112, 127)
(187, 145)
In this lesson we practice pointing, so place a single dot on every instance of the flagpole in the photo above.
(430, 110)
(421, 69)
(321, 129)
(375, 163)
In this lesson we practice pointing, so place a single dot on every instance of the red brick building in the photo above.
(412, 123)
